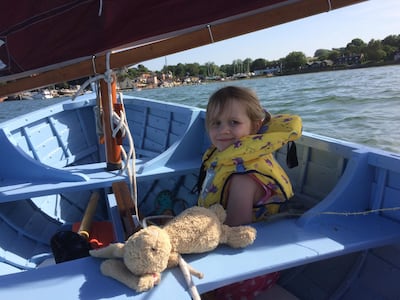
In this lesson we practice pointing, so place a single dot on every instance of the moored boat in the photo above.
(52, 161)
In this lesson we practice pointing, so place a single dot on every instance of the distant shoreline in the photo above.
(340, 68)
(288, 73)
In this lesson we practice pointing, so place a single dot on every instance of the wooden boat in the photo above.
(344, 246)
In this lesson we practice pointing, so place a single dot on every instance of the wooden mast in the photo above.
(113, 149)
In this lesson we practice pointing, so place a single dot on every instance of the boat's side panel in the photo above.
(371, 274)
(57, 137)
(65, 134)
(369, 188)
(25, 233)
(321, 165)
(378, 277)
(155, 126)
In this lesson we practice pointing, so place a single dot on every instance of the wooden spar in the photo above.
(86, 223)
(220, 30)
(126, 207)
(113, 150)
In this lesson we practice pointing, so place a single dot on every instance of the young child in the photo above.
(240, 172)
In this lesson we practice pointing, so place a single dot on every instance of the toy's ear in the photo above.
(111, 251)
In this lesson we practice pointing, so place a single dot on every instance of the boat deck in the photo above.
(92, 176)
(333, 176)
(281, 245)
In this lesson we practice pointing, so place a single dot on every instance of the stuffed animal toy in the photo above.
(139, 262)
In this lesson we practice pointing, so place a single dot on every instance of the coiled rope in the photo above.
(119, 124)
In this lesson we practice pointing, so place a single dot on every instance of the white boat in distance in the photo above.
(344, 246)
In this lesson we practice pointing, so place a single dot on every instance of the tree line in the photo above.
(373, 52)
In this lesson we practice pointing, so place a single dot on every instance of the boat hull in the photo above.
(52, 161)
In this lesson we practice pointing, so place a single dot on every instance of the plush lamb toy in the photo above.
(151, 250)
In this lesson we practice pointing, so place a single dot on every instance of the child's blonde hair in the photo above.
(224, 97)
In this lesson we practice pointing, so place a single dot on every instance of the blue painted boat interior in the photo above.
(51, 161)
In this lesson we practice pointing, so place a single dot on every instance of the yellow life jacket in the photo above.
(252, 155)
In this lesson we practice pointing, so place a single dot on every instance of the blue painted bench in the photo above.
(278, 246)
(23, 177)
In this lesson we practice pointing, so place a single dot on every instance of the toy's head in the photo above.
(147, 251)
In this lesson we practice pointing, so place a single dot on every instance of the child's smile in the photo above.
(229, 126)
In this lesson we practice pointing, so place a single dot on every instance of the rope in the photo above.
(86, 84)
(94, 64)
(100, 7)
(186, 269)
(210, 33)
(298, 213)
(357, 213)
(329, 5)
(128, 158)
(118, 124)
(187, 272)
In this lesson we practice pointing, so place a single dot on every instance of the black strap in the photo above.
(202, 175)
(291, 155)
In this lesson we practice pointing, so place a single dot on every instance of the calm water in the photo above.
(361, 105)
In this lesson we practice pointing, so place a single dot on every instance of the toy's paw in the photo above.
(115, 268)
(241, 236)
(173, 260)
(111, 267)
(111, 251)
(148, 281)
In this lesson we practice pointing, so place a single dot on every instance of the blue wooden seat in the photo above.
(81, 279)
(38, 179)
(279, 245)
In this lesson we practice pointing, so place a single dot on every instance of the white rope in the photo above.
(187, 272)
(357, 213)
(346, 214)
(128, 158)
(329, 5)
(118, 124)
(94, 64)
(100, 7)
(108, 78)
(86, 84)
(99, 125)
(210, 33)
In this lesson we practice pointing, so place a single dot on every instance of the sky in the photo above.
(373, 19)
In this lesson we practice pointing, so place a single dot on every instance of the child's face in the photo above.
(229, 125)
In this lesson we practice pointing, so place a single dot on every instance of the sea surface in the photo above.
(359, 105)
